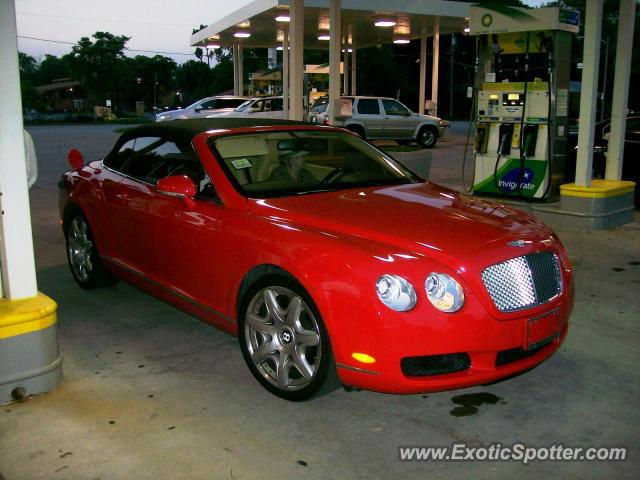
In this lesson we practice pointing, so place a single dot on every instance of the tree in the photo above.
(194, 79)
(99, 64)
(52, 68)
(149, 78)
(28, 65)
(28, 69)
(199, 53)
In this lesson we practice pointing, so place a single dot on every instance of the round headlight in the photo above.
(444, 292)
(396, 293)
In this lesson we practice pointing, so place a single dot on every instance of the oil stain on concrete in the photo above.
(469, 403)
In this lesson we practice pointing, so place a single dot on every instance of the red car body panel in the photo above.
(336, 244)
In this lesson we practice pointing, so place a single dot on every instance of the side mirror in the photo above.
(198, 109)
(76, 160)
(178, 186)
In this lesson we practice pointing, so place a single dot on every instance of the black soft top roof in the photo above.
(185, 130)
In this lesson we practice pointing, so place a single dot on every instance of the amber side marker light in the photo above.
(363, 357)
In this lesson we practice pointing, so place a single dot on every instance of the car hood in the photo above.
(431, 118)
(173, 113)
(178, 111)
(419, 217)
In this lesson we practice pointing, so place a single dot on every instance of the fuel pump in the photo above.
(522, 84)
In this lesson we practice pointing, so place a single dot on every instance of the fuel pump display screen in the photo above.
(512, 99)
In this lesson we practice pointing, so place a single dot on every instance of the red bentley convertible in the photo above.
(322, 254)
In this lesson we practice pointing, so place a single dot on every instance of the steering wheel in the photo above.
(337, 173)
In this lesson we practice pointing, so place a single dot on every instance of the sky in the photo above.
(153, 25)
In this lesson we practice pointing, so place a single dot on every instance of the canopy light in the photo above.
(279, 48)
(467, 29)
(385, 22)
(401, 40)
(324, 37)
(212, 46)
(283, 18)
(241, 34)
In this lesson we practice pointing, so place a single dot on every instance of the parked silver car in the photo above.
(381, 118)
(259, 107)
(203, 108)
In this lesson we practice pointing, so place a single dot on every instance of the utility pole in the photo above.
(453, 43)
(155, 90)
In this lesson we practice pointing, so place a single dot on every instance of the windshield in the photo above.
(193, 105)
(277, 164)
(244, 106)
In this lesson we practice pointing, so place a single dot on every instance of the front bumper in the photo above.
(478, 350)
(442, 128)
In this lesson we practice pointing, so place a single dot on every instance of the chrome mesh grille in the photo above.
(523, 282)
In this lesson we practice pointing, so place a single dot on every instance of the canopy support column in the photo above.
(615, 154)
(296, 67)
(16, 241)
(335, 44)
(423, 72)
(589, 91)
(434, 69)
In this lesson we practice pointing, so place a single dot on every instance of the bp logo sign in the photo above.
(509, 181)
(486, 20)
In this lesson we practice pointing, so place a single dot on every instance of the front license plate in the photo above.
(542, 329)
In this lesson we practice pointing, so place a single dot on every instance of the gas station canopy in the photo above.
(264, 21)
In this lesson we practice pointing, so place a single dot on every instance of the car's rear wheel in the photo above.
(427, 137)
(82, 254)
(283, 339)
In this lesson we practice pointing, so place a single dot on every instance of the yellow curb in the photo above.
(598, 189)
(26, 315)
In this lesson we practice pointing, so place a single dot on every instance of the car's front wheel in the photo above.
(283, 339)
(427, 137)
(82, 254)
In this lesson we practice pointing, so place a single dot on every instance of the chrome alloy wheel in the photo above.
(80, 249)
(283, 338)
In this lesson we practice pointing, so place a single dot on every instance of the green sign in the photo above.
(515, 178)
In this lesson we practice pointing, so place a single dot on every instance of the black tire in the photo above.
(82, 254)
(358, 130)
(427, 137)
(265, 352)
